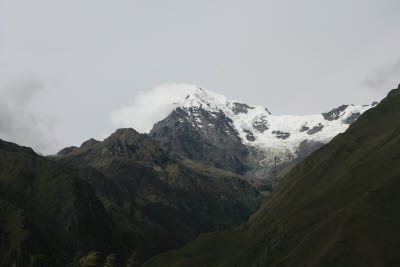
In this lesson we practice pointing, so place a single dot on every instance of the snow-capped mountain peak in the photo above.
(197, 122)
(257, 127)
(196, 97)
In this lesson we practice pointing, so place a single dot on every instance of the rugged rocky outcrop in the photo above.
(338, 207)
(211, 140)
(247, 140)
(120, 195)
(159, 201)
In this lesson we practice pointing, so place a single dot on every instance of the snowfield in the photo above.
(272, 135)
(192, 96)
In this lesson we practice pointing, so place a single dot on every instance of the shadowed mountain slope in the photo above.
(160, 201)
(207, 127)
(339, 207)
(121, 195)
(45, 211)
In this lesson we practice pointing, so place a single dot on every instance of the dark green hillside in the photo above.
(339, 207)
(118, 196)
(160, 201)
(44, 211)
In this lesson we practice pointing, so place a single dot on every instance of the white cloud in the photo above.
(150, 107)
(18, 123)
(384, 76)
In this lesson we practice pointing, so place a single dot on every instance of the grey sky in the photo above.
(94, 56)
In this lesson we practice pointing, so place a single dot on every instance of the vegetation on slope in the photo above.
(47, 215)
(156, 200)
(121, 195)
(339, 207)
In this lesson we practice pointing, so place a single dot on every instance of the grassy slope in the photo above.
(339, 207)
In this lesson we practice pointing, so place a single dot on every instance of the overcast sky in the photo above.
(66, 65)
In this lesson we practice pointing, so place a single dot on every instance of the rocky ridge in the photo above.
(248, 140)
(160, 201)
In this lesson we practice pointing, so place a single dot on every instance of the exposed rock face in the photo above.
(318, 128)
(161, 201)
(128, 143)
(249, 136)
(281, 135)
(89, 142)
(240, 108)
(261, 124)
(120, 195)
(352, 118)
(339, 207)
(245, 139)
(304, 128)
(334, 114)
(66, 150)
(202, 136)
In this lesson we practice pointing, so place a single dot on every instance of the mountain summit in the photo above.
(338, 207)
(206, 126)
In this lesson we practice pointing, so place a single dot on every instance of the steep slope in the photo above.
(45, 214)
(157, 200)
(248, 140)
(216, 143)
(339, 207)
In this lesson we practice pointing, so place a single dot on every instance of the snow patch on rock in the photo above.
(278, 136)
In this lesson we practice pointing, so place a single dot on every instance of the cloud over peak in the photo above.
(151, 106)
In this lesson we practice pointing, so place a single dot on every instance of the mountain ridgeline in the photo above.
(154, 196)
(338, 207)
(217, 145)
(207, 167)
(121, 195)
(248, 140)
(46, 211)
